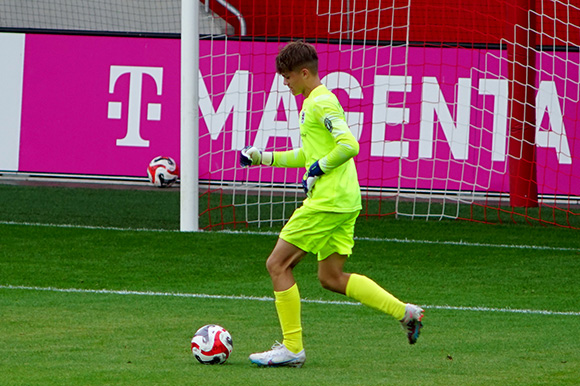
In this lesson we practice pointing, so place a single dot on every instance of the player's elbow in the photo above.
(350, 148)
(355, 149)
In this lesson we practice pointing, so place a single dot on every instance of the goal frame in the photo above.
(189, 144)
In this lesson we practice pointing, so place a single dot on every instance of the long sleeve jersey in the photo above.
(327, 139)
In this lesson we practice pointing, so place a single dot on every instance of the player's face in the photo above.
(295, 81)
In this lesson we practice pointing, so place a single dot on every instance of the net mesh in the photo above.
(142, 16)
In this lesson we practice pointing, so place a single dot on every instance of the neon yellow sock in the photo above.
(370, 294)
(288, 307)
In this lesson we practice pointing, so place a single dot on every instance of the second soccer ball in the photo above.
(162, 172)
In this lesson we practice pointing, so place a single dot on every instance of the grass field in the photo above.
(87, 299)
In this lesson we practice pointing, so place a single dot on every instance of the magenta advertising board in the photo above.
(108, 105)
(95, 105)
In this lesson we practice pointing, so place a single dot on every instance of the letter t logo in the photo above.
(133, 136)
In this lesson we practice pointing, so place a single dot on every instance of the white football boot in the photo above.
(411, 322)
(278, 356)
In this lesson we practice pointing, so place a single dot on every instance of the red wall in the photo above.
(430, 21)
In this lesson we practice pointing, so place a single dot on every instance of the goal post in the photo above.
(189, 144)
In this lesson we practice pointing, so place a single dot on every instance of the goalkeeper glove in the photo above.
(250, 156)
(309, 179)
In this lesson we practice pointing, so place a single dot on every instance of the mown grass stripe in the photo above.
(269, 233)
(270, 299)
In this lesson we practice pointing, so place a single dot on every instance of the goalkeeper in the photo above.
(324, 224)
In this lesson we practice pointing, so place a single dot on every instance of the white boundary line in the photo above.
(270, 299)
(93, 227)
(468, 244)
(268, 233)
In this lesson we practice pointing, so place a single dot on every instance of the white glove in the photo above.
(308, 184)
(251, 156)
(309, 179)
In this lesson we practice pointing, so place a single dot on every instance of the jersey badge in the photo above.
(328, 124)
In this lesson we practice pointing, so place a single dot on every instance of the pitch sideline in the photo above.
(270, 299)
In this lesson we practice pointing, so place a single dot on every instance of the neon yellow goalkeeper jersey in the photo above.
(327, 139)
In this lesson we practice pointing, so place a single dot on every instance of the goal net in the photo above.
(462, 110)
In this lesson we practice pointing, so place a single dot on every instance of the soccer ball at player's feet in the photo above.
(212, 345)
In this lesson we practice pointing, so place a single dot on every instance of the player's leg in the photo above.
(332, 276)
(369, 293)
(280, 263)
(358, 287)
(282, 260)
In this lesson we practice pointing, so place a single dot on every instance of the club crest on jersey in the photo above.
(328, 124)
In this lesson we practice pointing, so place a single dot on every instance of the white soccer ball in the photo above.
(162, 172)
(211, 345)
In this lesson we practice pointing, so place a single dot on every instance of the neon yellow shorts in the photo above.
(321, 233)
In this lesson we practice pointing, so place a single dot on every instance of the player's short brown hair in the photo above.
(295, 56)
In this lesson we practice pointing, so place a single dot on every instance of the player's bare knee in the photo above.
(276, 267)
(272, 266)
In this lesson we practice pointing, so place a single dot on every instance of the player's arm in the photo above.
(290, 158)
(251, 156)
(346, 147)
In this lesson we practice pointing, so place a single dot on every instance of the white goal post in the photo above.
(189, 148)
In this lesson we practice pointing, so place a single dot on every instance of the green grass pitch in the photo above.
(102, 303)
